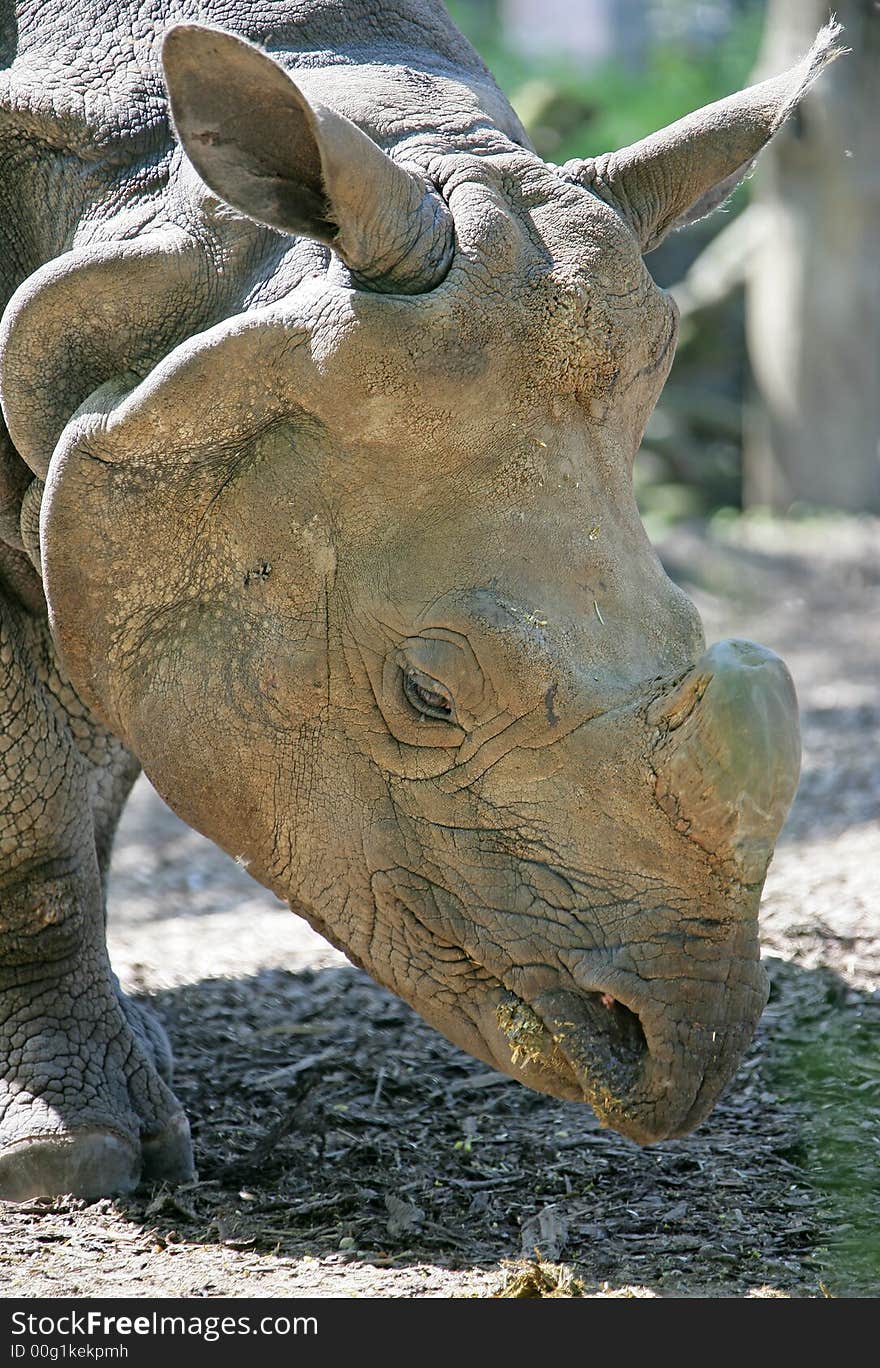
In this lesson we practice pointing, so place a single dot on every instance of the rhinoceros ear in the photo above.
(683, 172)
(260, 145)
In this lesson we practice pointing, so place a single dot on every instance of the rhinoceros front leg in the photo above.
(84, 1107)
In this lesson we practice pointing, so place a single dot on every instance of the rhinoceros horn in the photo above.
(259, 144)
(684, 171)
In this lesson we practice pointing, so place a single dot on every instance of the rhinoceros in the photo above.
(321, 395)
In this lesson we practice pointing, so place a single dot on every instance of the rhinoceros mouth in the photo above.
(592, 1032)
(588, 1047)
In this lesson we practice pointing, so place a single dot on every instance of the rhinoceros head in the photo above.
(343, 543)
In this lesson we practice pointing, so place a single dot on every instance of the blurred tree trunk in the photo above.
(813, 286)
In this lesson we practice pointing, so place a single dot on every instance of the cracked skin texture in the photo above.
(315, 502)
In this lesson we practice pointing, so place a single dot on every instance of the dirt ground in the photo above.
(344, 1149)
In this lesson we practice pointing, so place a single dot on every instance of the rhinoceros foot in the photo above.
(85, 1163)
(90, 1114)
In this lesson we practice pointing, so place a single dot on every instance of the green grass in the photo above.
(828, 1066)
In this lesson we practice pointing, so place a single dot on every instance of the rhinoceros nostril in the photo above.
(621, 1028)
(601, 1037)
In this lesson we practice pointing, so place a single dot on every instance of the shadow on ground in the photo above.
(329, 1121)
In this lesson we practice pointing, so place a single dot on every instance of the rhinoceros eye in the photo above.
(428, 696)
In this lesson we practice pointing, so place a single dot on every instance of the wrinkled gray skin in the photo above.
(316, 503)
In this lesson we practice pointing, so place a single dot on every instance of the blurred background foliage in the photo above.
(588, 76)
(579, 103)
